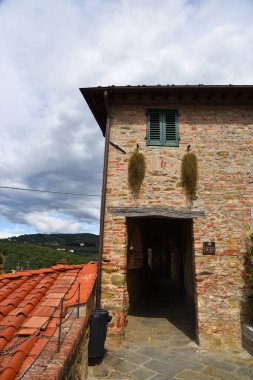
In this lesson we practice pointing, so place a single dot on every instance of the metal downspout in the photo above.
(103, 202)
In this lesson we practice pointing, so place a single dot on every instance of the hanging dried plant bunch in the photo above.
(189, 175)
(136, 171)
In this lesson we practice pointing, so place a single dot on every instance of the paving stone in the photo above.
(162, 377)
(145, 352)
(142, 374)
(218, 364)
(112, 360)
(181, 361)
(223, 375)
(193, 365)
(159, 337)
(175, 356)
(161, 367)
(125, 367)
(131, 356)
(237, 361)
(189, 351)
(245, 371)
(145, 336)
(179, 342)
(118, 376)
(192, 375)
(100, 371)
(153, 353)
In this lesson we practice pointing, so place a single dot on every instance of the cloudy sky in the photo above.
(50, 48)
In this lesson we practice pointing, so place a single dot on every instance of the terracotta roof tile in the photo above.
(33, 301)
(35, 322)
(27, 346)
(12, 321)
(8, 333)
(38, 346)
(25, 310)
(10, 301)
(42, 311)
(4, 310)
(3, 343)
(3, 281)
(48, 332)
(27, 300)
(27, 331)
(49, 302)
(54, 295)
(15, 362)
(21, 294)
(4, 293)
(26, 363)
(28, 287)
(41, 291)
(8, 374)
(53, 322)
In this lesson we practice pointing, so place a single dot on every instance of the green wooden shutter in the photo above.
(154, 135)
(170, 128)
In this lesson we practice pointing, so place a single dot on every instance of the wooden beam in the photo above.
(101, 118)
(159, 212)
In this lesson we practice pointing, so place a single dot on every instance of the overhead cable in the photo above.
(49, 191)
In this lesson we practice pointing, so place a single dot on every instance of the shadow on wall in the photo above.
(247, 299)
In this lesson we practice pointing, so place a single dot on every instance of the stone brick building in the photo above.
(158, 233)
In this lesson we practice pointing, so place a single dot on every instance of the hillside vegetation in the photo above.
(41, 250)
(58, 240)
(29, 256)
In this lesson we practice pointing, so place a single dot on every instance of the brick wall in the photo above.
(222, 138)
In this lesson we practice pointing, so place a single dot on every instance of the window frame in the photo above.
(162, 126)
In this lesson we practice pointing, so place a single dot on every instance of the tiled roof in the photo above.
(95, 96)
(30, 310)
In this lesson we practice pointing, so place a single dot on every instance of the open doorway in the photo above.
(160, 268)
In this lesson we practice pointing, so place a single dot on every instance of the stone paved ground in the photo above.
(159, 345)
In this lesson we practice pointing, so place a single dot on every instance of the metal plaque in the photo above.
(209, 248)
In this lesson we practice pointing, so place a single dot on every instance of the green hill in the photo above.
(56, 240)
(44, 250)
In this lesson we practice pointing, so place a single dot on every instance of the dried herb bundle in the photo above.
(136, 171)
(189, 175)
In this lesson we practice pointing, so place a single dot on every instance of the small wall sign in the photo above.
(209, 248)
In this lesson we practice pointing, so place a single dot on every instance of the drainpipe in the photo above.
(103, 202)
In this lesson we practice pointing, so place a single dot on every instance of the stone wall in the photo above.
(222, 138)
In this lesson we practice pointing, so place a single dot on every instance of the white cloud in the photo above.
(44, 222)
(48, 49)
(15, 231)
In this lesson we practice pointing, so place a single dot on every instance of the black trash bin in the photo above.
(98, 329)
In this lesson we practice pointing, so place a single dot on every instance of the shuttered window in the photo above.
(162, 127)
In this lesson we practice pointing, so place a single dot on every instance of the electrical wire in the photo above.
(48, 191)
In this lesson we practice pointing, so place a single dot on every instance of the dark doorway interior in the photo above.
(160, 274)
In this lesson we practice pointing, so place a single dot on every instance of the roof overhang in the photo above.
(222, 94)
